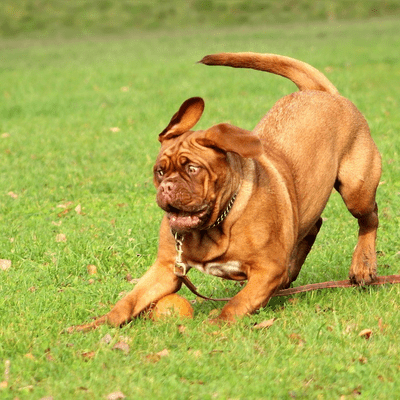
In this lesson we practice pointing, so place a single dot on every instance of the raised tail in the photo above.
(303, 75)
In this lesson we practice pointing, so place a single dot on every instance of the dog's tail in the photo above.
(303, 75)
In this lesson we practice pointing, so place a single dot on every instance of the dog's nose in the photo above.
(167, 187)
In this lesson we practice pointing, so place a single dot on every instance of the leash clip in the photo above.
(180, 268)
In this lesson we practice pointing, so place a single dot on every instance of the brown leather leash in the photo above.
(193, 289)
(181, 269)
(380, 280)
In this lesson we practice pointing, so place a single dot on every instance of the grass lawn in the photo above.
(79, 121)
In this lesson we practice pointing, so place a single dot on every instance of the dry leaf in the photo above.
(61, 238)
(49, 357)
(106, 339)
(65, 205)
(163, 353)
(115, 129)
(122, 346)
(130, 279)
(181, 329)
(91, 269)
(365, 333)
(4, 384)
(381, 325)
(5, 135)
(156, 357)
(26, 388)
(294, 337)
(7, 364)
(195, 353)
(13, 195)
(357, 391)
(78, 209)
(30, 356)
(153, 358)
(88, 355)
(56, 223)
(115, 396)
(349, 328)
(5, 265)
(64, 212)
(265, 324)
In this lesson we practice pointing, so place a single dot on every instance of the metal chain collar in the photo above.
(225, 213)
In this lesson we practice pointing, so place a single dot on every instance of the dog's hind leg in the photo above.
(301, 252)
(357, 182)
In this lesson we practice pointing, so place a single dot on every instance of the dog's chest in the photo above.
(227, 270)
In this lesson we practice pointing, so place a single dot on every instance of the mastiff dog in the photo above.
(246, 205)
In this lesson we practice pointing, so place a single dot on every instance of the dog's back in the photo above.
(326, 143)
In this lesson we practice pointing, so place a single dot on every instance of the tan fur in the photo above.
(283, 173)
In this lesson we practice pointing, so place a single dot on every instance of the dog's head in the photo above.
(195, 173)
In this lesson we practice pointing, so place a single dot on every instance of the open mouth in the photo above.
(180, 220)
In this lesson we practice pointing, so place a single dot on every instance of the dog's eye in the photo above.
(160, 172)
(192, 169)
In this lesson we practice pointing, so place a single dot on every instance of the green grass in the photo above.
(75, 18)
(59, 100)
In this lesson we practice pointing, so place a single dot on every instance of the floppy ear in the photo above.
(230, 138)
(186, 118)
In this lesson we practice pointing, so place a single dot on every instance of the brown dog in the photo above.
(247, 205)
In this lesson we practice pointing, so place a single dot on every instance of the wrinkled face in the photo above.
(187, 176)
(192, 167)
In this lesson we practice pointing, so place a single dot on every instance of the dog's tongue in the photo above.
(183, 222)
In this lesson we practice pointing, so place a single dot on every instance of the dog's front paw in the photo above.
(362, 279)
(363, 274)
(363, 266)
